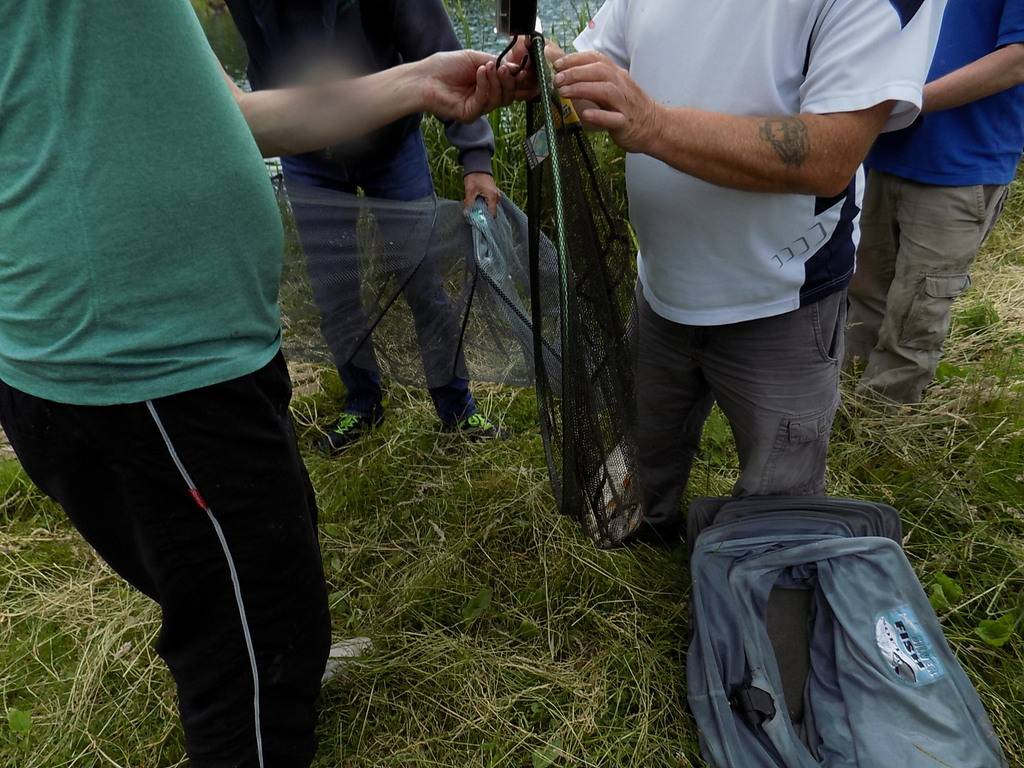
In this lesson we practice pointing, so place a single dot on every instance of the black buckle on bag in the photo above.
(755, 705)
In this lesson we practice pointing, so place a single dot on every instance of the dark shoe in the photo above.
(348, 430)
(667, 534)
(476, 428)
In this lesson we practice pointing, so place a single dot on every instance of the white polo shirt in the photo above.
(711, 255)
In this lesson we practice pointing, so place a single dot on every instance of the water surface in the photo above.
(473, 21)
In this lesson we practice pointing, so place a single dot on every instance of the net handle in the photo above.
(534, 193)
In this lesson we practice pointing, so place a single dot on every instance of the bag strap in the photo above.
(755, 705)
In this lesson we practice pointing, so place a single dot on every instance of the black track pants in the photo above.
(201, 501)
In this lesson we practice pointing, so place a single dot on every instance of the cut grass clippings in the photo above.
(501, 636)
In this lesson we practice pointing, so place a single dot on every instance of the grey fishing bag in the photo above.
(815, 645)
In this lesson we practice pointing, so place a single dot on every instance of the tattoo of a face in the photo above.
(789, 139)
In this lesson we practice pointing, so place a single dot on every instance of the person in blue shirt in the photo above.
(284, 42)
(934, 193)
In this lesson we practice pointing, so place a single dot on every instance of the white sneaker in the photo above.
(341, 653)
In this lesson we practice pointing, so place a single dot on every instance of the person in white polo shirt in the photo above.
(746, 123)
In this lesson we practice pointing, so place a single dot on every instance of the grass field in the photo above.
(502, 637)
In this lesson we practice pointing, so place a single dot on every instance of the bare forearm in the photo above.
(455, 85)
(988, 75)
(803, 154)
(301, 119)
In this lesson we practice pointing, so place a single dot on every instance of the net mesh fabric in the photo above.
(424, 292)
(589, 422)
(419, 291)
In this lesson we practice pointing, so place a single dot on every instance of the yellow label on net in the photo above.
(564, 113)
(569, 116)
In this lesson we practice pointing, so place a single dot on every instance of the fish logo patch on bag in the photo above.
(905, 648)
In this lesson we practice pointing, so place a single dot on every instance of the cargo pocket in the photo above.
(796, 465)
(927, 322)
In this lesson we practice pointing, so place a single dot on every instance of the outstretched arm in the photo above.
(980, 79)
(805, 154)
(460, 85)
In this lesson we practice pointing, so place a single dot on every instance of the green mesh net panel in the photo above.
(423, 291)
(587, 405)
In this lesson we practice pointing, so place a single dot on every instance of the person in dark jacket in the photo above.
(295, 41)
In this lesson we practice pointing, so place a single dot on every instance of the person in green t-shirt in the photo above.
(141, 381)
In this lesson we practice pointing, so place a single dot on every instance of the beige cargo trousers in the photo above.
(918, 242)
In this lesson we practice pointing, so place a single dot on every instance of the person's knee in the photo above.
(790, 459)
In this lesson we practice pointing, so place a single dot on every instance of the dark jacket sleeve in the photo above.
(422, 28)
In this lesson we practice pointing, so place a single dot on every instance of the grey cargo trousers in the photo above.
(777, 381)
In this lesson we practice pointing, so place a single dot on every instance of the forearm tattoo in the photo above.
(789, 139)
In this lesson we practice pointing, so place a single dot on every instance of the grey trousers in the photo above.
(918, 242)
(777, 381)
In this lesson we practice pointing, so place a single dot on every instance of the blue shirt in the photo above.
(978, 143)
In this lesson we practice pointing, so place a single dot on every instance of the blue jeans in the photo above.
(404, 176)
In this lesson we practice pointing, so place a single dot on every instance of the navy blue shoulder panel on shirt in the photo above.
(830, 269)
(907, 9)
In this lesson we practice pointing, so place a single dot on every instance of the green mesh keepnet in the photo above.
(587, 408)
(421, 291)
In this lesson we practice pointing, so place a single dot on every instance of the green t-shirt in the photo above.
(140, 240)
